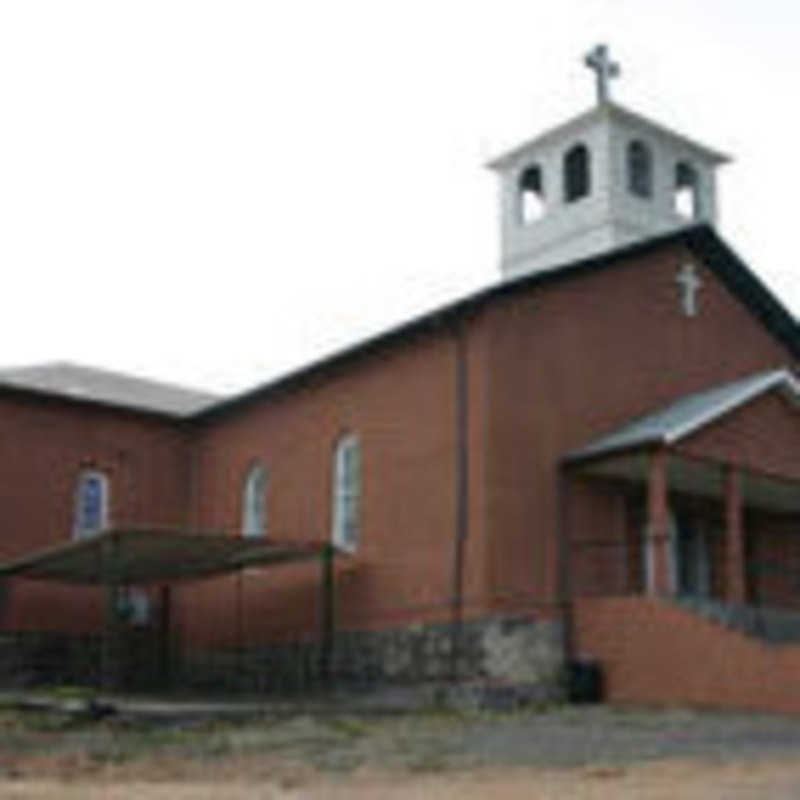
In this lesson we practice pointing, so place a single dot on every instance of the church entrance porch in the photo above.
(680, 544)
(666, 525)
(699, 499)
(683, 581)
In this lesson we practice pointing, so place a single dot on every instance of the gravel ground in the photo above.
(562, 752)
(577, 736)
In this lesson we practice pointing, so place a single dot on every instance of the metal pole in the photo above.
(462, 492)
(110, 567)
(165, 623)
(327, 620)
(239, 629)
(565, 588)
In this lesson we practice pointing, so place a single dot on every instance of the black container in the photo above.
(584, 681)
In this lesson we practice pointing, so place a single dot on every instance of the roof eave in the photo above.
(779, 378)
(700, 239)
(47, 396)
(586, 455)
(607, 109)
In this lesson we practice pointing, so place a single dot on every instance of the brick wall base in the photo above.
(655, 652)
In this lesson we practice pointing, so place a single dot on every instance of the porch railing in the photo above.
(603, 568)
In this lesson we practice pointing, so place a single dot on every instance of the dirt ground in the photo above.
(558, 753)
(668, 780)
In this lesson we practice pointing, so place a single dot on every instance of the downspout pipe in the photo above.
(462, 493)
(565, 589)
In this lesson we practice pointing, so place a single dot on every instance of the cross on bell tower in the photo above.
(599, 181)
(599, 60)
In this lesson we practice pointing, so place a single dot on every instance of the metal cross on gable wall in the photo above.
(599, 60)
(690, 283)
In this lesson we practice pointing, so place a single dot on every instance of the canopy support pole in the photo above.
(327, 621)
(240, 657)
(109, 653)
(165, 634)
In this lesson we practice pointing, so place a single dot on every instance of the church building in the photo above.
(594, 459)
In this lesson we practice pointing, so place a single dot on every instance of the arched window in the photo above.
(640, 169)
(531, 195)
(577, 173)
(687, 186)
(346, 493)
(91, 504)
(254, 502)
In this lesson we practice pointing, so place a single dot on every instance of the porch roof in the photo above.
(153, 555)
(687, 415)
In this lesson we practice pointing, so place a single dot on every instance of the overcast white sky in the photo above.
(215, 192)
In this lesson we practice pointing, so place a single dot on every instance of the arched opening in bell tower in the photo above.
(686, 196)
(640, 169)
(577, 173)
(531, 195)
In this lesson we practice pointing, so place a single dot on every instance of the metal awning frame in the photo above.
(141, 556)
(129, 556)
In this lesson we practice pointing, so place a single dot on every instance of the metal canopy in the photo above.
(151, 555)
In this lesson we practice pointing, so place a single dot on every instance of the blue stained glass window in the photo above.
(90, 504)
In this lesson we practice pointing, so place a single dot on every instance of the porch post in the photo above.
(659, 581)
(734, 538)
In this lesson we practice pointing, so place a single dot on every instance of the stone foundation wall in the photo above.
(516, 657)
(499, 652)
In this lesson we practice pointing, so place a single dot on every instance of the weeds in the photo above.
(347, 726)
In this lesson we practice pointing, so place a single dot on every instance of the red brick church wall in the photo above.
(549, 369)
(401, 401)
(575, 359)
(44, 445)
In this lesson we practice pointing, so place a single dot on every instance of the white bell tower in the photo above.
(603, 179)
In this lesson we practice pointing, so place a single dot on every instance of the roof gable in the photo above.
(689, 414)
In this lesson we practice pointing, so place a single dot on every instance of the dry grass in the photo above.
(422, 756)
